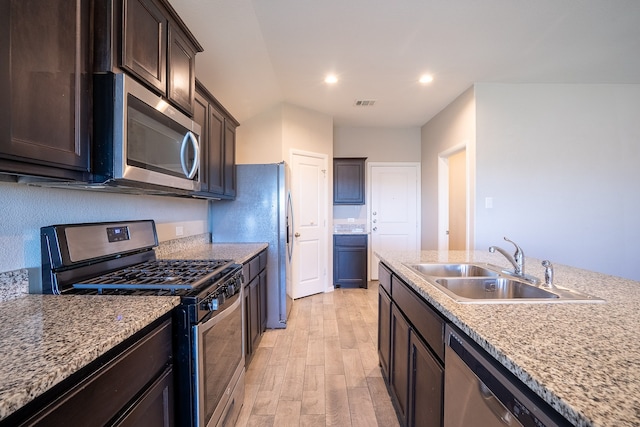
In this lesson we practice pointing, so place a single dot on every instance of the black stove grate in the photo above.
(167, 275)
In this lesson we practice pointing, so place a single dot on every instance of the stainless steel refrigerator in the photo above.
(261, 212)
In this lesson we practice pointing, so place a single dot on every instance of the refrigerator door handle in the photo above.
(289, 226)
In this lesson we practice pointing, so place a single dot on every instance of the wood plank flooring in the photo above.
(322, 370)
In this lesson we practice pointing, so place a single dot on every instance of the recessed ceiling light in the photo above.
(426, 78)
(331, 79)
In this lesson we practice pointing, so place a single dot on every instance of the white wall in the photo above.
(453, 126)
(377, 144)
(24, 209)
(562, 164)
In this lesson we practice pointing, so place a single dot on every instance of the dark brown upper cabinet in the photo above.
(349, 180)
(45, 86)
(217, 146)
(147, 39)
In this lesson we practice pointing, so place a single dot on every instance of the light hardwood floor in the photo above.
(322, 370)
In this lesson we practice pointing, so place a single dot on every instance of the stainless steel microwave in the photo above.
(141, 142)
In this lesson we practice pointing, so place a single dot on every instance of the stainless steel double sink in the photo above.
(487, 284)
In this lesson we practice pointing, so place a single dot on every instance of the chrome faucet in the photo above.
(517, 260)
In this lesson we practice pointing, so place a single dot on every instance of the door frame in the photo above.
(443, 195)
(327, 265)
(369, 192)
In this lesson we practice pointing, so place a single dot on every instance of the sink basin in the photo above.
(482, 284)
(493, 288)
(453, 270)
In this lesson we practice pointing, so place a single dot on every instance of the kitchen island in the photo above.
(581, 358)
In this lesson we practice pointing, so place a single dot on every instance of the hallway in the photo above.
(322, 370)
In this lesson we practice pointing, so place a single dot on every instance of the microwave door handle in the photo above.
(190, 137)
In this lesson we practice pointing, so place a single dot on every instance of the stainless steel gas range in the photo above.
(118, 258)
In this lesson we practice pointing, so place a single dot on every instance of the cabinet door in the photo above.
(45, 87)
(247, 326)
(254, 312)
(230, 160)
(348, 181)
(181, 69)
(144, 42)
(200, 116)
(350, 266)
(399, 371)
(425, 385)
(215, 174)
(263, 301)
(155, 407)
(384, 331)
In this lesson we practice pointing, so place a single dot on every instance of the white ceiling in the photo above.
(258, 53)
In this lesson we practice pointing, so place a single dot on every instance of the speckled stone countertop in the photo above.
(238, 252)
(581, 358)
(46, 338)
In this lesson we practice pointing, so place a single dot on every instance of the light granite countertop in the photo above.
(47, 338)
(581, 358)
(238, 252)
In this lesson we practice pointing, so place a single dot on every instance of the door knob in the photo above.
(375, 228)
(297, 234)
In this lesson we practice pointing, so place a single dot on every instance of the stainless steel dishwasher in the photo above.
(477, 392)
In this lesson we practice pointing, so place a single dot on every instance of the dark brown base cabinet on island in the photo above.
(411, 352)
(130, 385)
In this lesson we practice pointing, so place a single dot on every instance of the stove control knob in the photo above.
(212, 304)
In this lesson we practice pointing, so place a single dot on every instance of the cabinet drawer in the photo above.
(254, 267)
(426, 321)
(358, 240)
(384, 276)
(263, 260)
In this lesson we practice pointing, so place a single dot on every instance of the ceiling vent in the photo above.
(364, 103)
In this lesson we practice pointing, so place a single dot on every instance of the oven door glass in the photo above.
(218, 357)
(157, 143)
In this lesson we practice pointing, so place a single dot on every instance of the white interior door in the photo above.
(309, 199)
(394, 211)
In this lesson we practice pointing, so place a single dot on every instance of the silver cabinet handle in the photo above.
(375, 228)
(190, 137)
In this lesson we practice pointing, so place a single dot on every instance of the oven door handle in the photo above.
(216, 318)
(190, 137)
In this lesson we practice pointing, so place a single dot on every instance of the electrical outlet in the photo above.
(351, 220)
(179, 230)
(488, 202)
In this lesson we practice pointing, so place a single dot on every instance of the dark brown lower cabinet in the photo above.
(410, 341)
(384, 331)
(255, 303)
(350, 260)
(400, 370)
(130, 385)
(426, 385)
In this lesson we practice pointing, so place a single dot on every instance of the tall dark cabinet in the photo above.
(45, 84)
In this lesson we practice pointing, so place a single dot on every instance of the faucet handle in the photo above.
(519, 251)
(518, 256)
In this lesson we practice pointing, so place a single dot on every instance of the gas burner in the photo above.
(169, 275)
